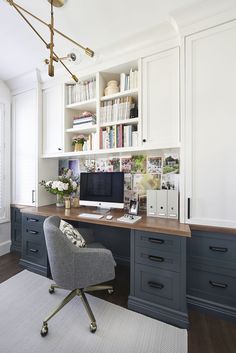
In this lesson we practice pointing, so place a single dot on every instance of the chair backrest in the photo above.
(60, 253)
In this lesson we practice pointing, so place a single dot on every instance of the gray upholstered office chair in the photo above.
(76, 269)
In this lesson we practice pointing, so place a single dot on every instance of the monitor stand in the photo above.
(101, 210)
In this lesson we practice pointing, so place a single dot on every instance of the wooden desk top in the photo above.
(149, 224)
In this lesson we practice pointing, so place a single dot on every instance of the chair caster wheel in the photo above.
(93, 327)
(51, 290)
(44, 330)
(110, 291)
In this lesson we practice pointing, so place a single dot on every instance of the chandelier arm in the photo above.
(88, 51)
(51, 45)
(62, 63)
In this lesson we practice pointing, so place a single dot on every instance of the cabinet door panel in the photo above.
(211, 126)
(24, 147)
(161, 99)
(52, 120)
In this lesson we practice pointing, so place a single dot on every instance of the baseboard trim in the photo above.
(170, 316)
(5, 247)
(223, 311)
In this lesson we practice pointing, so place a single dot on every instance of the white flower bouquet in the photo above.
(64, 186)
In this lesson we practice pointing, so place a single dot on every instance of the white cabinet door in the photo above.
(161, 99)
(24, 141)
(53, 120)
(211, 126)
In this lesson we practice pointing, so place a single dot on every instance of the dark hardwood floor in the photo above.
(207, 334)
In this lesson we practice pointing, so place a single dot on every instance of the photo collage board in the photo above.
(141, 173)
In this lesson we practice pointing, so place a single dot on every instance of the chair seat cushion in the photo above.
(72, 234)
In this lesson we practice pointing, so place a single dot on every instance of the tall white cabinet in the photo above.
(24, 147)
(211, 126)
(28, 169)
(160, 99)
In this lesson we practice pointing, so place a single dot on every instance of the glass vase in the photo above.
(60, 201)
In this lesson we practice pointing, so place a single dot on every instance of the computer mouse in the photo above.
(109, 216)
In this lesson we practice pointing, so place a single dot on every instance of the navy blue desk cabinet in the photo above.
(211, 273)
(154, 249)
(158, 276)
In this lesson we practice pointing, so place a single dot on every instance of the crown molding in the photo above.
(203, 15)
(25, 82)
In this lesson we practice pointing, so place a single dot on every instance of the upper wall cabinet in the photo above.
(210, 126)
(160, 82)
(53, 105)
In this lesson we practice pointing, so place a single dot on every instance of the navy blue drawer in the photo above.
(157, 286)
(212, 247)
(212, 283)
(32, 219)
(34, 251)
(157, 258)
(162, 242)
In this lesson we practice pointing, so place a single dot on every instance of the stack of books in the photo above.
(118, 136)
(81, 91)
(116, 110)
(85, 120)
(129, 81)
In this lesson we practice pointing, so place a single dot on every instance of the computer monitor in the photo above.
(104, 190)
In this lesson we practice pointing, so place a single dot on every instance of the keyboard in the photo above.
(90, 215)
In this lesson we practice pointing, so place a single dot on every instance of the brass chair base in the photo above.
(68, 298)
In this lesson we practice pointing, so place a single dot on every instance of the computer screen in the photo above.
(102, 189)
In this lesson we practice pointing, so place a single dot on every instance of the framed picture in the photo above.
(133, 207)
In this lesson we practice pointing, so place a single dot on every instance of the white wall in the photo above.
(5, 235)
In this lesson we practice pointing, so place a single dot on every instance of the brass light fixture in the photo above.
(52, 56)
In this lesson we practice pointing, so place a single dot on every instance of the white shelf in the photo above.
(133, 121)
(127, 93)
(113, 151)
(85, 105)
(85, 130)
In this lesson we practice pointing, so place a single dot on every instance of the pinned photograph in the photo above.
(170, 182)
(138, 164)
(171, 163)
(128, 182)
(126, 164)
(113, 165)
(154, 165)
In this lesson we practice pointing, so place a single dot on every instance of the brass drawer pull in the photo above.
(34, 250)
(32, 231)
(218, 249)
(218, 285)
(156, 285)
(156, 241)
(156, 258)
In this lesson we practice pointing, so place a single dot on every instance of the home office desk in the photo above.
(154, 247)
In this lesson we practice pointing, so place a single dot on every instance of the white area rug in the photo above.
(25, 302)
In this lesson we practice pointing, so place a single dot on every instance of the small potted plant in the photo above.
(78, 142)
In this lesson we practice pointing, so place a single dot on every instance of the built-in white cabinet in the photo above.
(28, 169)
(209, 145)
(24, 147)
(160, 99)
(53, 105)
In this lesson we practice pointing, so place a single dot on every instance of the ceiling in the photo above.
(95, 24)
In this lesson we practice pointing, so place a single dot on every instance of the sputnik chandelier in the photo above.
(53, 57)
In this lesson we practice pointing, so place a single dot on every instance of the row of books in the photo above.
(81, 91)
(84, 120)
(129, 81)
(118, 136)
(116, 109)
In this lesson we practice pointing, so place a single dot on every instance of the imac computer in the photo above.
(104, 190)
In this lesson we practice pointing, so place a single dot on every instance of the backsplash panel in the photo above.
(142, 173)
